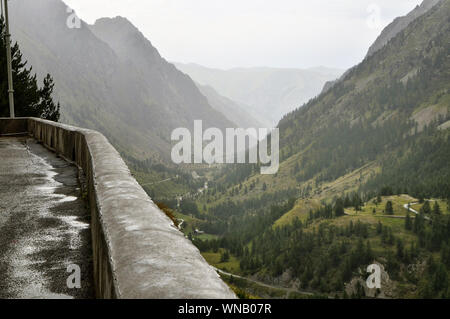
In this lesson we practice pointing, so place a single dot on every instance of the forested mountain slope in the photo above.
(353, 162)
(385, 124)
(396, 26)
(385, 110)
(399, 24)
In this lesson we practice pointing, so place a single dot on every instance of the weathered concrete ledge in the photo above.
(137, 251)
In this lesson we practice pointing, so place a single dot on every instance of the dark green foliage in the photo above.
(29, 99)
(425, 209)
(389, 208)
(385, 191)
(435, 283)
(408, 222)
(189, 207)
(225, 256)
(436, 209)
(326, 256)
(345, 129)
(49, 110)
(420, 166)
(339, 207)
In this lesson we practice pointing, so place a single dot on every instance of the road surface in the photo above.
(287, 290)
(408, 207)
(44, 225)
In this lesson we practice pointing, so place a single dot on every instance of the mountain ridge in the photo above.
(399, 24)
(389, 32)
(269, 92)
(135, 102)
(387, 120)
(235, 112)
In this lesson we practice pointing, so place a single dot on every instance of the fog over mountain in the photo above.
(110, 78)
(358, 176)
(235, 112)
(269, 92)
(400, 24)
(388, 33)
(378, 138)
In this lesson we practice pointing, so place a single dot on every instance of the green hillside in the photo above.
(385, 123)
(377, 139)
(372, 115)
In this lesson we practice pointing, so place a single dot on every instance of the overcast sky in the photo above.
(246, 33)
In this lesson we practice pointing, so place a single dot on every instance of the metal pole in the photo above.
(8, 61)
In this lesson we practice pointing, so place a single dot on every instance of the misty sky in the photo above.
(246, 33)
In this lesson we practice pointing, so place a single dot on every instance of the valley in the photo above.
(364, 154)
(351, 161)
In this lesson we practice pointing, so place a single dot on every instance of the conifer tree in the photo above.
(408, 223)
(30, 100)
(436, 209)
(389, 208)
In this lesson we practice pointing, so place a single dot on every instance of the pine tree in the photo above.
(369, 253)
(339, 207)
(49, 109)
(426, 209)
(389, 208)
(379, 228)
(225, 257)
(379, 200)
(445, 254)
(408, 223)
(436, 209)
(30, 100)
(400, 249)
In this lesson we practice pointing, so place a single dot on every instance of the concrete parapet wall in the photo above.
(137, 251)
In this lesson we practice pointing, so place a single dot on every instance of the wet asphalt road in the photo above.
(44, 224)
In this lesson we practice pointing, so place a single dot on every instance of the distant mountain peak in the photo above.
(125, 39)
(117, 21)
(268, 93)
(117, 27)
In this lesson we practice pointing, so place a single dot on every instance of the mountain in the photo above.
(390, 32)
(384, 124)
(110, 78)
(352, 161)
(269, 92)
(400, 24)
(383, 112)
(235, 112)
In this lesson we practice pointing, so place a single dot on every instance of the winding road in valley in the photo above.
(408, 208)
(287, 290)
(396, 216)
(158, 182)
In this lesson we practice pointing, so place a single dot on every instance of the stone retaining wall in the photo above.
(137, 251)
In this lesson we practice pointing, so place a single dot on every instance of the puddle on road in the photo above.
(67, 199)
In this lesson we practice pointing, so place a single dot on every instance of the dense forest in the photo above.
(324, 255)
